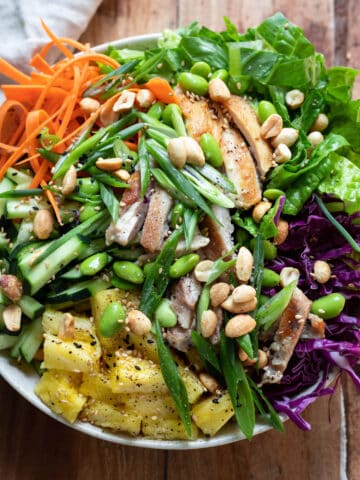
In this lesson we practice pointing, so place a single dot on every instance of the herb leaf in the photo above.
(173, 380)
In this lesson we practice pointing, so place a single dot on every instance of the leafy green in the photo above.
(173, 380)
(238, 386)
(343, 182)
(340, 84)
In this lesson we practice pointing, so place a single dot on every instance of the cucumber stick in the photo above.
(7, 341)
(32, 340)
(5, 186)
(37, 276)
(31, 307)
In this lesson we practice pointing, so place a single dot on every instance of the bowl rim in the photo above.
(22, 378)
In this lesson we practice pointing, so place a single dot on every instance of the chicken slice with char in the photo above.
(220, 235)
(156, 222)
(185, 295)
(288, 333)
(199, 118)
(240, 169)
(246, 120)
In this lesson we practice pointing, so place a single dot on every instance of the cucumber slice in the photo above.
(7, 341)
(31, 307)
(5, 185)
(32, 340)
(80, 291)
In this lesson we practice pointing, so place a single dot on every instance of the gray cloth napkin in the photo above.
(20, 28)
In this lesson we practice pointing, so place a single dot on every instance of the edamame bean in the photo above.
(92, 265)
(87, 211)
(273, 193)
(329, 306)
(211, 149)
(123, 284)
(265, 109)
(239, 85)
(177, 214)
(165, 315)
(88, 186)
(112, 320)
(184, 265)
(270, 251)
(167, 113)
(147, 267)
(156, 110)
(129, 271)
(262, 300)
(221, 73)
(193, 83)
(270, 278)
(201, 68)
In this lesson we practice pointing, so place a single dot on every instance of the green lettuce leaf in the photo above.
(343, 182)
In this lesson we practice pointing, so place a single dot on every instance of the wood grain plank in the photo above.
(352, 416)
(294, 455)
(35, 447)
(316, 17)
(119, 19)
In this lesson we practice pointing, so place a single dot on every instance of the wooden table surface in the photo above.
(35, 447)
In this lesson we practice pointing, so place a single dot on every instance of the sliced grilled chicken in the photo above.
(240, 168)
(156, 222)
(198, 242)
(246, 120)
(220, 236)
(184, 296)
(290, 328)
(128, 225)
(314, 327)
(179, 338)
(133, 193)
(199, 118)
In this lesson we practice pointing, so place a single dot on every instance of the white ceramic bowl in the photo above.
(23, 379)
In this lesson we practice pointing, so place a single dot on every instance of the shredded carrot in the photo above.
(49, 97)
(162, 90)
(13, 73)
(131, 146)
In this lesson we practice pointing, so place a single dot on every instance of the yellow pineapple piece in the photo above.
(212, 413)
(52, 319)
(167, 429)
(108, 416)
(82, 354)
(59, 391)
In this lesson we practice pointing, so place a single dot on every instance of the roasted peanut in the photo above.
(107, 115)
(125, 102)
(288, 275)
(177, 152)
(322, 271)
(109, 164)
(209, 382)
(272, 126)
(43, 224)
(244, 294)
(122, 174)
(218, 90)
(283, 231)
(244, 265)
(239, 325)
(262, 358)
(243, 356)
(194, 154)
(259, 210)
(294, 98)
(235, 307)
(144, 98)
(12, 317)
(202, 270)
(67, 327)
(208, 323)
(69, 181)
(89, 105)
(282, 153)
(11, 286)
(138, 322)
(320, 123)
(219, 293)
(315, 138)
(288, 136)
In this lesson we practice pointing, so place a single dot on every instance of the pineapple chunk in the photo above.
(212, 413)
(167, 429)
(144, 344)
(108, 416)
(98, 304)
(59, 391)
(79, 355)
(51, 321)
(193, 385)
(97, 385)
(136, 375)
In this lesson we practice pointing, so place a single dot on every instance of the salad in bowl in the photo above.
(180, 230)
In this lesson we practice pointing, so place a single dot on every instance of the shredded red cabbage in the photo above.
(312, 237)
